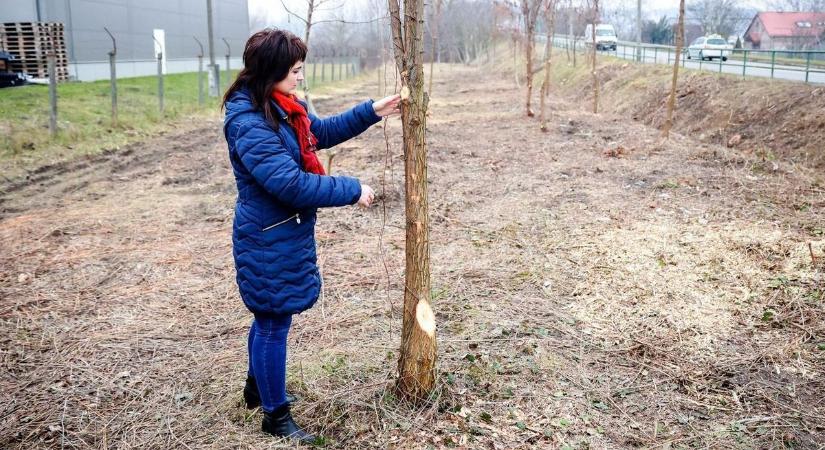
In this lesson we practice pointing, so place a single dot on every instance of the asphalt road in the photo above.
(734, 65)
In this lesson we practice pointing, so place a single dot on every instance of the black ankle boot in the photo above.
(279, 423)
(253, 397)
(251, 394)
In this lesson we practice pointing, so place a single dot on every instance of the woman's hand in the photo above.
(387, 105)
(367, 196)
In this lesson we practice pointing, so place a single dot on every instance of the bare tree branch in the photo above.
(351, 22)
(397, 38)
(293, 14)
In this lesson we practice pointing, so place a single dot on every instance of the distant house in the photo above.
(786, 31)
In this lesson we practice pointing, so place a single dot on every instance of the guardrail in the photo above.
(796, 65)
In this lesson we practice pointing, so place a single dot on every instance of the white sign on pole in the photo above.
(160, 45)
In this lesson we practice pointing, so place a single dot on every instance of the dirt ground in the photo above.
(593, 288)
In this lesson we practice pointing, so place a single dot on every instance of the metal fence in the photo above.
(795, 65)
(317, 71)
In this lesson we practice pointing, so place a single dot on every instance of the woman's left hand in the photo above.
(388, 105)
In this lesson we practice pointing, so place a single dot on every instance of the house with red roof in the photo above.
(786, 31)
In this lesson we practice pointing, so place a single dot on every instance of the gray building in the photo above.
(134, 23)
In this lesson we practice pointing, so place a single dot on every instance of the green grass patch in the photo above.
(84, 116)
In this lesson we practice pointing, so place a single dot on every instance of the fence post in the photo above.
(314, 72)
(655, 55)
(721, 52)
(51, 58)
(200, 72)
(807, 66)
(113, 76)
(773, 61)
(160, 81)
(744, 63)
(160, 76)
(228, 52)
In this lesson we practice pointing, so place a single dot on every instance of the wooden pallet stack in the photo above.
(31, 42)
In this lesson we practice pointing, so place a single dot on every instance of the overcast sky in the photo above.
(276, 15)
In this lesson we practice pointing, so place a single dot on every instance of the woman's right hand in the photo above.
(367, 196)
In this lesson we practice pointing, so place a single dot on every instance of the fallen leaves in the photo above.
(615, 152)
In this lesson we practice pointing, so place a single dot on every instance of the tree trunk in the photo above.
(528, 53)
(310, 7)
(680, 39)
(515, 60)
(416, 361)
(550, 21)
(433, 42)
(593, 56)
(529, 9)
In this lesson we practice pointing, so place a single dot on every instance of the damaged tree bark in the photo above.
(671, 102)
(416, 361)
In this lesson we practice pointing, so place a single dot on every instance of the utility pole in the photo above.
(638, 30)
(213, 69)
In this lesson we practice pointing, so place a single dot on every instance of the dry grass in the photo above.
(662, 298)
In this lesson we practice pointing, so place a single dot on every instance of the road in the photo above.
(734, 65)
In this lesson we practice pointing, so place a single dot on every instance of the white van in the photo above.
(605, 36)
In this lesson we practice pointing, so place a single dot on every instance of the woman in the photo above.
(281, 183)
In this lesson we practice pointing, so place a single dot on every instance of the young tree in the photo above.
(717, 16)
(680, 38)
(312, 5)
(530, 13)
(550, 24)
(416, 361)
(592, 37)
(434, 19)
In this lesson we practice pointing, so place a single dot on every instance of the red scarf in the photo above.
(299, 121)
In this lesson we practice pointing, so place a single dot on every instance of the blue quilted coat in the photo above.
(273, 234)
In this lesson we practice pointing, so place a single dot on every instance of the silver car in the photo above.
(709, 47)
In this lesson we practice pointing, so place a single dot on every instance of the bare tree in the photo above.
(722, 17)
(622, 15)
(312, 6)
(680, 40)
(416, 361)
(434, 19)
(592, 37)
(462, 36)
(530, 12)
(799, 5)
(550, 24)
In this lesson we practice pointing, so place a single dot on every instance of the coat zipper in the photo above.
(297, 218)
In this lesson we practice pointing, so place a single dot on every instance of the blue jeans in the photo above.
(267, 358)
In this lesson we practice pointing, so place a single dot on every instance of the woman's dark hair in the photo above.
(268, 56)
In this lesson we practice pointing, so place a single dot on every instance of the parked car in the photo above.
(7, 77)
(605, 36)
(709, 47)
